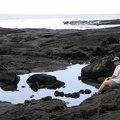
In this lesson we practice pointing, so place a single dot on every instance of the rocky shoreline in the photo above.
(93, 22)
(32, 50)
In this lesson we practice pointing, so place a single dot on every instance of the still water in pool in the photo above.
(68, 75)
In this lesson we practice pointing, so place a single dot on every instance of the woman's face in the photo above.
(116, 62)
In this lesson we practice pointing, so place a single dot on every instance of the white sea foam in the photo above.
(50, 22)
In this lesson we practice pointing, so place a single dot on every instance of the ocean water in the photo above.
(54, 21)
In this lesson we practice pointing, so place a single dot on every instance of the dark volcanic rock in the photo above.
(72, 95)
(38, 81)
(32, 110)
(33, 50)
(75, 95)
(81, 91)
(9, 81)
(110, 40)
(9, 78)
(101, 68)
(109, 46)
(57, 93)
(87, 91)
(93, 22)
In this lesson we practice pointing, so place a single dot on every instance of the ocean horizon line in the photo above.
(34, 16)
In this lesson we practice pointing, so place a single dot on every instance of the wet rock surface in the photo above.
(72, 95)
(9, 81)
(93, 22)
(31, 50)
(39, 81)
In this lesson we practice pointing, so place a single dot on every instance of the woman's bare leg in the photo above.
(102, 86)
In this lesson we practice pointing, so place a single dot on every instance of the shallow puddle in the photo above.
(68, 75)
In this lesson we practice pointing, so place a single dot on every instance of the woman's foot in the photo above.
(96, 94)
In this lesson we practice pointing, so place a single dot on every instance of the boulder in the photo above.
(57, 93)
(82, 91)
(112, 49)
(73, 95)
(87, 91)
(9, 78)
(110, 40)
(101, 68)
(9, 81)
(38, 81)
(6, 87)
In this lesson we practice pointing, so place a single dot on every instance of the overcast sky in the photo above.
(59, 6)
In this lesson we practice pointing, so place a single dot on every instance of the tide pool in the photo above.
(69, 76)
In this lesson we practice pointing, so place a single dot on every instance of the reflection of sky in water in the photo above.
(69, 76)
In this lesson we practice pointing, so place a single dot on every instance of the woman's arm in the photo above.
(109, 78)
